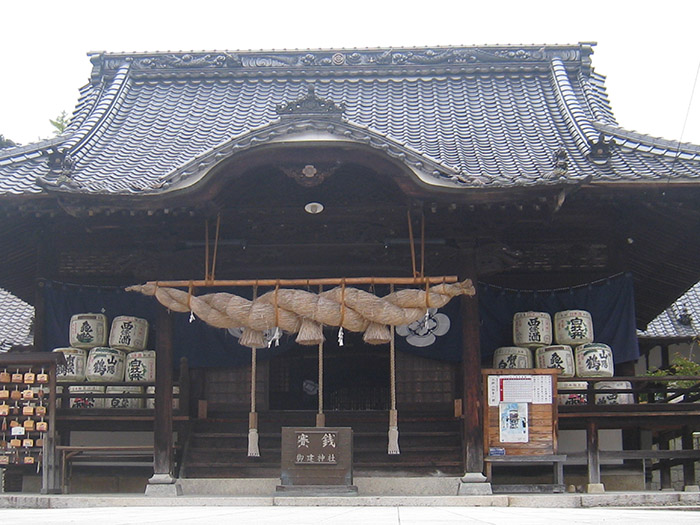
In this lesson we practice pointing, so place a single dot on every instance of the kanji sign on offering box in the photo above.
(316, 457)
(316, 447)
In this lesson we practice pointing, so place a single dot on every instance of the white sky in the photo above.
(649, 50)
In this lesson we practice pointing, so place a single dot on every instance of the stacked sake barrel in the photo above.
(574, 352)
(98, 356)
(575, 328)
(530, 331)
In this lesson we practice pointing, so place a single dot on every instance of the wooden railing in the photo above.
(644, 389)
(668, 406)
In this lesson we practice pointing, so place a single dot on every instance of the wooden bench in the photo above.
(122, 453)
(557, 461)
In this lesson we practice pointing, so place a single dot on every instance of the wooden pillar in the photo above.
(51, 471)
(631, 437)
(689, 464)
(39, 341)
(163, 466)
(593, 452)
(664, 464)
(665, 356)
(471, 376)
(46, 268)
(185, 388)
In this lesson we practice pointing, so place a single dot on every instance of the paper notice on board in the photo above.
(542, 390)
(513, 422)
(516, 389)
(519, 389)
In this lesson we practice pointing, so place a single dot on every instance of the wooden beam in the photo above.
(334, 281)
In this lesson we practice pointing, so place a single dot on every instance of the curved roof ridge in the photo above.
(647, 143)
(84, 108)
(596, 96)
(100, 111)
(88, 97)
(578, 122)
(448, 175)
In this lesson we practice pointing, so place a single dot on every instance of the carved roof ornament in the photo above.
(309, 175)
(60, 162)
(187, 61)
(600, 150)
(310, 104)
(243, 63)
(560, 158)
(60, 165)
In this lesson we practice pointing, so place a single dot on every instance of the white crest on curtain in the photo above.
(426, 330)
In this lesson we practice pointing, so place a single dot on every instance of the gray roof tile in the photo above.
(16, 319)
(680, 320)
(488, 116)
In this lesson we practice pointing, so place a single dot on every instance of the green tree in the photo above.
(60, 123)
(6, 143)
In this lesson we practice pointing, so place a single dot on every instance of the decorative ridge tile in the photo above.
(571, 107)
(642, 142)
(338, 58)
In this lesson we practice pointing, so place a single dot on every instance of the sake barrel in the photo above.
(105, 364)
(557, 356)
(74, 369)
(151, 402)
(532, 329)
(128, 333)
(573, 327)
(512, 357)
(80, 396)
(613, 398)
(594, 360)
(141, 366)
(88, 330)
(571, 398)
(124, 402)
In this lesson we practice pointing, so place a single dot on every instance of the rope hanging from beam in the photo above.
(253, 447)
(393, 435)
(320, 417)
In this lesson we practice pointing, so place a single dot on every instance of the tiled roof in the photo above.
(491, 117)
(680, 320)
(16, 318)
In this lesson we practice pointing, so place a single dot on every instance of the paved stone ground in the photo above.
(339, 515)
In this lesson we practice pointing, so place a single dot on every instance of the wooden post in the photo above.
(664, 464)
(471, 376)
(688, 465)
(593, 452)
(162, 482)
(51, 473)
(631, 437)
(185, 392)
(39, 341)
(665, 356)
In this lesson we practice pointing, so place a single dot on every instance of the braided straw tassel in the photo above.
(253, 448)
(393, 447)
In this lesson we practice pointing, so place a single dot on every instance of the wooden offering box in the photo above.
(520, 412)
(318, 458)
